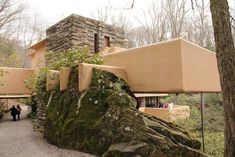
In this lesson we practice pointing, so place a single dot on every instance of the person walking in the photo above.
(18, 111)
(13, 112)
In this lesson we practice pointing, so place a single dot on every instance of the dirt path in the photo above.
(17, 139)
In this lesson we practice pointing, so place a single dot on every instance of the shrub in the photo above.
(213, 100)
(72, 58)
(56, 60)
(183, 99)
(214, 143)
(213, 120)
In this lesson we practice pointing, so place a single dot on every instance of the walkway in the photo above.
(17, 139)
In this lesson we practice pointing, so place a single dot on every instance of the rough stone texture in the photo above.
(39, 121)
(103, 121)
(77, 31)
(168, 114)
(3, 106)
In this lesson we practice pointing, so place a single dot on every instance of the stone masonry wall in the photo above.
(77, 31)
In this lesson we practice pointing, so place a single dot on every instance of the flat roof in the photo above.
(15, 96)
(38, 43)
(32, 48)
(149, 95)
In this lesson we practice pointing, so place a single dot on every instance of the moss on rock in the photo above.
(104, 121)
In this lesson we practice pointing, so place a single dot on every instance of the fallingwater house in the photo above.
(77, 31)
(167, 67)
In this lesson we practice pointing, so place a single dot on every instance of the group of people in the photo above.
(15, 111)
(165, 105)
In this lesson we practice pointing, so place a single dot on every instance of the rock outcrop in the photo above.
(104, 121)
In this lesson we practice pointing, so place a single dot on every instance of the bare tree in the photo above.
(113, 16)
(232, 17)
(110, 15)
(161, 20)
(19, 28)
(30, 29)
(103, 13)
(119, 19)
(176, 11)
(154, 24)
(137, 37)
(8, 52)
(200, 22)
(9, 11)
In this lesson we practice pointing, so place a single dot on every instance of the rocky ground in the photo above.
(17, 139)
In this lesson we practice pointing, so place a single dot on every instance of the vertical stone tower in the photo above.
(77, 31)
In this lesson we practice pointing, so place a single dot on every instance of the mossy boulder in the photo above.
(104, 121)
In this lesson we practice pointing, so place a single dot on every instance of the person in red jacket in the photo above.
(18, 111)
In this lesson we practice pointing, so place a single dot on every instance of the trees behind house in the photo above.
(9, 12)
(30, 28)
(9, 49)
(19, 28)
(114, 16)
(153, 27)
(162, 20)
(176, 18)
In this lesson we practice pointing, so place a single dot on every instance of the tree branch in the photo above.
(192, 4)
(132, 5)
(232, 19)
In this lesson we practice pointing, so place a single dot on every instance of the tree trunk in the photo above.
(226, 64)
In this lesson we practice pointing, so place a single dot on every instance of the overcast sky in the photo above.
(55, 10)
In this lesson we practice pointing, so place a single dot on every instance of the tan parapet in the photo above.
(173, 66)
(53, 79)
(161, 113)
(85, 73)
(12, 80)
(179, 112)
(64, 77)
(168, 114)
(109, 50)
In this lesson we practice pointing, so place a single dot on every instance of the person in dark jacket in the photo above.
(18, 111)
(13, 112)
